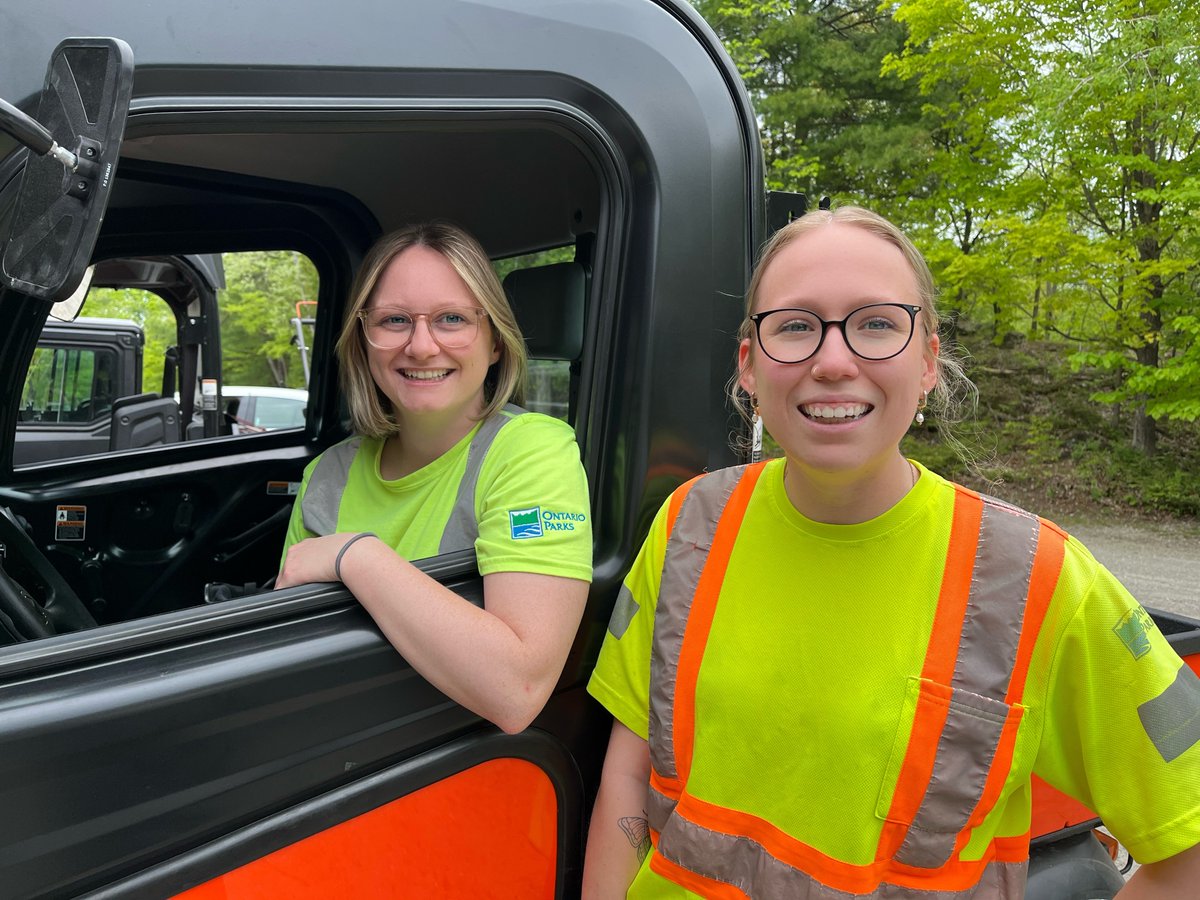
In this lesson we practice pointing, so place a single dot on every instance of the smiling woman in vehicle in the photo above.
(432, 362)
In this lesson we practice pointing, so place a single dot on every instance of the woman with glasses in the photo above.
(834, 674)
(432, 362)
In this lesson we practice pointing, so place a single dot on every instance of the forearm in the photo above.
(618, 837)
(471, 655)
(1169, 879)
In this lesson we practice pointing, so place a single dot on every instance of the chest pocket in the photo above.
(974, 738)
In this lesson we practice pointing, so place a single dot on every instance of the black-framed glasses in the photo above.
(391, 327)
(874, 332)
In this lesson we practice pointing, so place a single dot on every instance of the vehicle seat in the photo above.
(549, 303)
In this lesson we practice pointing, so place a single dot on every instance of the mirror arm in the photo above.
(34, 135)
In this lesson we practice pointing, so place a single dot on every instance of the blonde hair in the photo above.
(370, 410)
(953, 391)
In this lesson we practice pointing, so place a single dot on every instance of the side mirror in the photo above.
(74, 142)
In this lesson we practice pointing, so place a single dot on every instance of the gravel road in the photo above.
(1160, 565)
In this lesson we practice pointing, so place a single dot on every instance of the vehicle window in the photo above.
(279, 412)
(254, 312)
(68, 384)
(549, 387)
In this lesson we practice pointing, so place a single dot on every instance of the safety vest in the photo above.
(1001, 569)
(323, 495)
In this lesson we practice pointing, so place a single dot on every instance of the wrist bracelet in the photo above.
(337, 562)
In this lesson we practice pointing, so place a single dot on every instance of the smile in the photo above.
(841, 412)
(424, 374)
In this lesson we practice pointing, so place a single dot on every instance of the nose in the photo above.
(833, 358)
(422, 344)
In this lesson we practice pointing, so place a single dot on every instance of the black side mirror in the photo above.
(74, 142)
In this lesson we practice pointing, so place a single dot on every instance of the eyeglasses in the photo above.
(390, 327)
(875, 332)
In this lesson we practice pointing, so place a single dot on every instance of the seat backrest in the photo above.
(548, 302)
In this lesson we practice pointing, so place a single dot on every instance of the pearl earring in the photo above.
(920, 417)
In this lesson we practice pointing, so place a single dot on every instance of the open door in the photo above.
(74, 143)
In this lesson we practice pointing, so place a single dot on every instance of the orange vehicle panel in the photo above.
(489, 831)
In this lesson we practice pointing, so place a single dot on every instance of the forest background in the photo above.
(1044, 156)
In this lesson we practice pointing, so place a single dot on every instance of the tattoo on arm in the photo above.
(637, 831)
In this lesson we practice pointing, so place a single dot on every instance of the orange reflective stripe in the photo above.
(1047, 566)
(940, 658)
(704, 607)
(741, 829)
(942, 653)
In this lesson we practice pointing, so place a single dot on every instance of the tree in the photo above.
(1098, 108)
(830, 123)
(257, 306)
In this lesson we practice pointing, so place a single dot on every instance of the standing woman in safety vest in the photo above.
(833, 674)
(430, 357)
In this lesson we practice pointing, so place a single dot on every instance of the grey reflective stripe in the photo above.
(462, 528)
(323, 495)
(987, 654)
(745, 864)
(658, 809)
(1007, 544)
(687, 551)
(623, 612)
(1172, 719)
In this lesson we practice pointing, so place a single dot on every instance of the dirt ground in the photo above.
(1158, 562)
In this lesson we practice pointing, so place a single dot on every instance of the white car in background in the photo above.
(259, 408)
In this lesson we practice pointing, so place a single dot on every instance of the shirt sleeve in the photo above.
(1122, 723)
(296, 532)
(532, 502)
(621, 680)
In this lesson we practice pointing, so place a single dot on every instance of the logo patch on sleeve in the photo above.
(525, 523)
(1133, 631)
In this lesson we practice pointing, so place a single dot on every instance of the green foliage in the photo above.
(148, 311)
(1087, 116)
(257, 306)
(1041, 441)
(830, 123)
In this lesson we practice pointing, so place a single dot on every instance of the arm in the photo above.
(1173, 877)
(501, 661)
(618, 838)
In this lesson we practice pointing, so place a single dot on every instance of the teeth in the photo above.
(425, 374)
(836, 411)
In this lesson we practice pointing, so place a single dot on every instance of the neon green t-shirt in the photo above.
(531, 500)
(805, 697)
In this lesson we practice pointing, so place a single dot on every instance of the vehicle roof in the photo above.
(427, 79)
(98, 322)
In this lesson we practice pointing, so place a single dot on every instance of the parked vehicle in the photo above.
(253, 409)
(276, 744)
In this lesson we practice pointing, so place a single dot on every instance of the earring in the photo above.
(756, 430)
(920, 417)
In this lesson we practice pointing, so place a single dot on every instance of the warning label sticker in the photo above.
(283, 488)
(70, 523)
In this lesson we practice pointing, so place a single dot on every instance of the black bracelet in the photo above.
(337, 562)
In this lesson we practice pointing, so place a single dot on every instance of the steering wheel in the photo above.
(22, 617)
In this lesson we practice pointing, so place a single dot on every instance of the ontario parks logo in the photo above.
(1133, 631)
(535, 522)
(525, 523)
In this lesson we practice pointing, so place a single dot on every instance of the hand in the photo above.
(311, 560)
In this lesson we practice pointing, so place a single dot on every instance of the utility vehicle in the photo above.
(151, 744)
